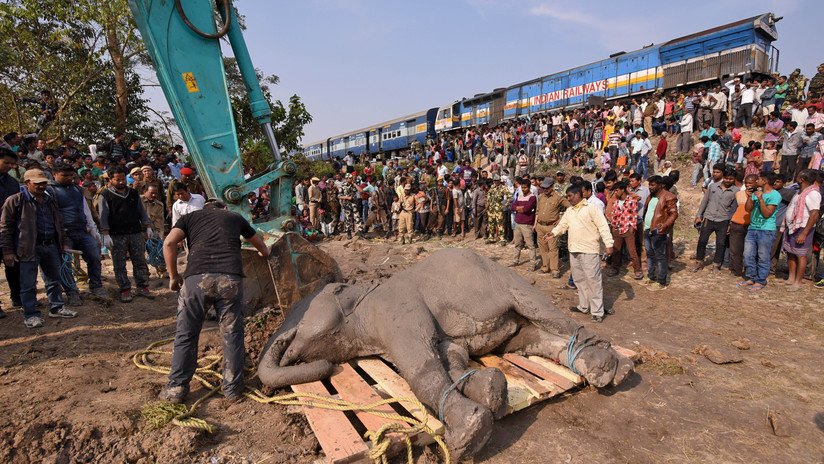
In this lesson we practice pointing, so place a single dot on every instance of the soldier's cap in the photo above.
(560, 173)
(36, 176)
(547, 182)
(496, 177)
(187, 171)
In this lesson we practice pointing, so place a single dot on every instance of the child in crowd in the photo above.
(768, 157)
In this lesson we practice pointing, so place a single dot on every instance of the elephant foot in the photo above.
(603, 366)
(488, 387)
(468, 427)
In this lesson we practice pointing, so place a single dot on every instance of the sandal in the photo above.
(745, 283)
(756, 287)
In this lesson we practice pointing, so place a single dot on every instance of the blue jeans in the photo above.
(757, 249)
(48, 259)
(643, 166)
(83, 242)
(657, 262)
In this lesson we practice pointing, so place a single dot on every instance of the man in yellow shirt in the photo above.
(588, 229)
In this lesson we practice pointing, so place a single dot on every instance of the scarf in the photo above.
(797, 220)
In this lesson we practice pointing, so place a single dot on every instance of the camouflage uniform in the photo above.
(497, 197)
(352, 221)
(795, 90)
(816, 89)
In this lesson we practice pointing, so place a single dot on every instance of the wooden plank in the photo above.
(558, 369)
(626, 352)
(339, 440)
(394, 385)
(537, 385)
(562, 382)
(351, 387)
(518, 396)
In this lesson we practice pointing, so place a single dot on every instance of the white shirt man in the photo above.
(686, 123)
(747, 95)
(183, 206)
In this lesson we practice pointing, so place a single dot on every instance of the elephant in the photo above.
(428, 320)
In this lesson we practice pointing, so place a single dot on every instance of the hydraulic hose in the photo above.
(224, 28)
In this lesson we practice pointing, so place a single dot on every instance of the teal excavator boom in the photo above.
(183, 39)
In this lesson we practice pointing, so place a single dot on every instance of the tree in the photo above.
(288, 121)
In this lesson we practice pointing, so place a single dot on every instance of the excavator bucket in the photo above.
(294, 269)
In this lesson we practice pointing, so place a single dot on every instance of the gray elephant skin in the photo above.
(428, 320)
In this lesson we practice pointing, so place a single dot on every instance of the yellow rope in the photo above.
(161, 413)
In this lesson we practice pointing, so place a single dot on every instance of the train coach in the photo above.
(736, 49)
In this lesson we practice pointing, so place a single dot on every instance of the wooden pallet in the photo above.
(530, 380)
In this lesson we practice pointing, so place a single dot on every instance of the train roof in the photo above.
(752, 19)
(319, 142)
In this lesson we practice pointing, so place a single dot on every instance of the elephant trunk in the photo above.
(272, 374)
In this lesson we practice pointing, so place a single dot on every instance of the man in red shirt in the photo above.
(524, 208)
(660, 153)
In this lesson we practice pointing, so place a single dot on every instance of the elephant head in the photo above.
(311, 337)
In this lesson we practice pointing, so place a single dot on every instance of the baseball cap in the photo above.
(35, 175)
(547, 182)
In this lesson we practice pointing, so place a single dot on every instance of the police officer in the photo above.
(349, 207)
(547, 215)
(213, 278)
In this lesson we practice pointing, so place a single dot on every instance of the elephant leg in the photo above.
(468, 424)
(597, 362)
(486, 386)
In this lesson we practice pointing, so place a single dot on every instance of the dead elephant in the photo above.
(428, 320)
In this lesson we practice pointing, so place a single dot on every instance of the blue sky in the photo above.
(358, 62)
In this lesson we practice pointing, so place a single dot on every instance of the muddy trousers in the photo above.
(133, 245)
(586, 272)
(199, 293)
(627, 239)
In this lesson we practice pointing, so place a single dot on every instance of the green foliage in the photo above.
(65, 47)
(288, 120)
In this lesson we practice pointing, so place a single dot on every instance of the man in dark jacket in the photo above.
(8, 187)
(31, 234)
(661, 212)
(80, 229)
(123, 220)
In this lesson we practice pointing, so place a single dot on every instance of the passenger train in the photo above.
(740, 48)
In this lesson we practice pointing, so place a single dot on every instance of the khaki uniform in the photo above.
(315, 197)
(547, 215)
(406, 224)
(156, 215)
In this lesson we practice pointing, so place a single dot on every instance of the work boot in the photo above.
(126, 296)
(176, 395)
(100, 293)
(536, 265)
(73, 299)
(145, 293)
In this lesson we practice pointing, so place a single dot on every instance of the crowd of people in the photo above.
(754, 147)
(61, 206)
(507, 185)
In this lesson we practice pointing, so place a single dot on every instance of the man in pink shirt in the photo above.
(524, 208)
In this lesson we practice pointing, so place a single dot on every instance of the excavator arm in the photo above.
(183, 39)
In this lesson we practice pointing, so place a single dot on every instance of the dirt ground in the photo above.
(72, 394)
